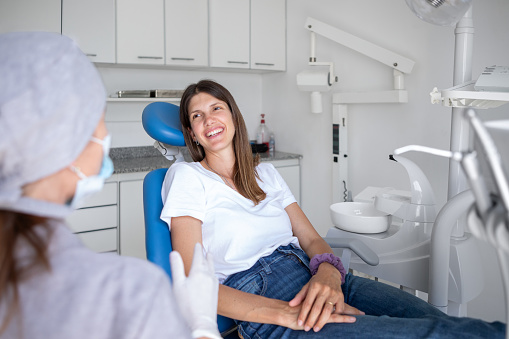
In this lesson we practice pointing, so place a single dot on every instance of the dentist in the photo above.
(54, 153)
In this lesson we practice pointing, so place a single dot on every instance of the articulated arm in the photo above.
(355, 245)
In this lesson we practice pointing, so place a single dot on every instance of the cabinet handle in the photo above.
(263, 64)
(237, 62)
(186, 59)
(149, 57)
(91, 54)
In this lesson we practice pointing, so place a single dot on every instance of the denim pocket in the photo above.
(253, 286)
(296, 252)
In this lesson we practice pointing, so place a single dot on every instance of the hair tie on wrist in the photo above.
(329, 258)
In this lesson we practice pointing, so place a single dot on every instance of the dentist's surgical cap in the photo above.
(51, 101)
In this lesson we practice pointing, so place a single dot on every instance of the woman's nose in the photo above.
(209, 119)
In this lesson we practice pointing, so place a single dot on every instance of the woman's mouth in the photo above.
(214, 132)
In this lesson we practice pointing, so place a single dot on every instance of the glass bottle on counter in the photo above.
(262, 133)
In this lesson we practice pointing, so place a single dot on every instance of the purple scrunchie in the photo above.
(329, 258)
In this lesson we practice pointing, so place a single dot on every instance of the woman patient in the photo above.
(243, 213)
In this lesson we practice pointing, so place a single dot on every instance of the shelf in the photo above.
(465, 95)
(172, 100)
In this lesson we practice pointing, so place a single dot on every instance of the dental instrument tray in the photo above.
(152, 93)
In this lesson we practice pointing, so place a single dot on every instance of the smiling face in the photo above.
(211, 122)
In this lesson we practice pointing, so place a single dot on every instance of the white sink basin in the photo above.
(359, 217)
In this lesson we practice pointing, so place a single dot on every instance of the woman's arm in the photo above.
(323, 292)
(185, 233)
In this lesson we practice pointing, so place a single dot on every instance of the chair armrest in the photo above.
(357, 246)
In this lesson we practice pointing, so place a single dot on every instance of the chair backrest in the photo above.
(161, 121)
(157, 234)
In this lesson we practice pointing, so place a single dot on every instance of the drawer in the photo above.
(100, 241)
(107, 196)
(90, 219)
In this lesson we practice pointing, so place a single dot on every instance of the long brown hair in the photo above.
(244, 171)
(14, 228)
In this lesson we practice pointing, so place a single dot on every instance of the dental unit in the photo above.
(420, 246)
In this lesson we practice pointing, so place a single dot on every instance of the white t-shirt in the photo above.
(235, 231)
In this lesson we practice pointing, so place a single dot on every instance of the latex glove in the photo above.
(196, 294)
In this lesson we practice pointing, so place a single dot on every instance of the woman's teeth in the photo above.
(214, 132)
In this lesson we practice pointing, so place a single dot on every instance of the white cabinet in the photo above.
(91, 24)
(268, 34)
(96, 222)
(290, 171)
(248, 34)
(140, 32)
(186, 28)
(229, 33)
(29, 15)
(132, 223)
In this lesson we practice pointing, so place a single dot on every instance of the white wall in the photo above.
(375, 130)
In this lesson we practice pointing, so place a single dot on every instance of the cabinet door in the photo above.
(229, 33)
(268, 34)
(140, 32)
(132, 224)
(91, 24)
(186, 27)
(29, 15)
(291, 175)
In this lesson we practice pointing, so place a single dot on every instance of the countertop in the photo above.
(147, 158)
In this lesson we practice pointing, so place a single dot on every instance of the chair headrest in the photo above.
(161, 122)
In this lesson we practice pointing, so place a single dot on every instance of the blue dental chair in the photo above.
(161, 122)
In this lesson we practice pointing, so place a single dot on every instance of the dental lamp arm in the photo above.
(362, 46)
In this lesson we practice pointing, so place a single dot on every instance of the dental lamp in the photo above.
(439, 12)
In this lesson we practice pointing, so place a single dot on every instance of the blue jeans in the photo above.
(390, 312)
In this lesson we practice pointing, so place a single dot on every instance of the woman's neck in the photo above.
(221, 163)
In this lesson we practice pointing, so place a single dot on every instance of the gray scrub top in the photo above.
(90, 295)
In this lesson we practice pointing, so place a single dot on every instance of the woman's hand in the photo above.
(321, 301)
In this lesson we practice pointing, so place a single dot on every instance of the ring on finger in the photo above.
(333, 306)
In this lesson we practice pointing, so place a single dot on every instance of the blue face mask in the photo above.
(87, 186)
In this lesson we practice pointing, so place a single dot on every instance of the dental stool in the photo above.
(161, 122)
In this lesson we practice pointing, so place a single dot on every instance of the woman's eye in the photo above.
(194, 116)
(217, 108)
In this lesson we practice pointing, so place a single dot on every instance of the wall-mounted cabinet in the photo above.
(186, 31)
(91, 24)
(229, 33)
(140, 32)
(248, 34)
(268, 34)
(223, 34)
(29, 15)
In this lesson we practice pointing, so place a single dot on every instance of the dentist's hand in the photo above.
(196, 294)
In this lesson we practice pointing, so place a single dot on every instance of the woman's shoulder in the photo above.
(185, 168)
